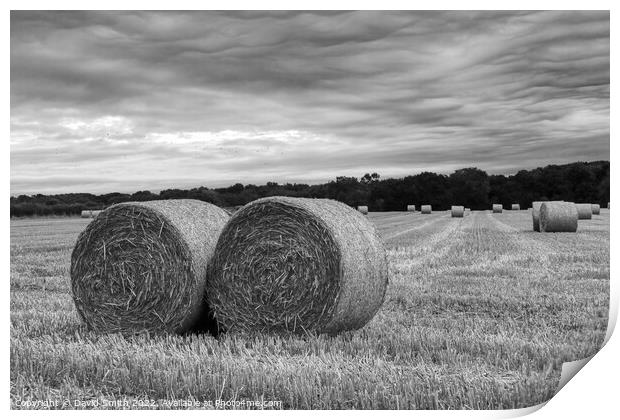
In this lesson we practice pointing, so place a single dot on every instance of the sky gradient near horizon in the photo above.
(127, 101)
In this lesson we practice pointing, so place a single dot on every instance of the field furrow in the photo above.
(480, 313)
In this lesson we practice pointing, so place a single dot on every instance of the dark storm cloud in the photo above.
(159, 99)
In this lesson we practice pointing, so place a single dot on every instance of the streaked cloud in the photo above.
(121, 101)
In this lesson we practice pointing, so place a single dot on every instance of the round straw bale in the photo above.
(516, 207)
(556, 216)
(596, 209)
(584, 210)
(362, 209)
(142, 266)
(86, 214)
(457, 211)
(426, 209)
(497, 208)
(411, 207)
(536, 213)
(286, 264)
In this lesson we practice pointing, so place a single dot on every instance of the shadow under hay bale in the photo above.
(497, 208)
(584, 210)
(557, 216)
(457, 211)
(426, 209)
(410, 207)
(142, 266)
(285, 264)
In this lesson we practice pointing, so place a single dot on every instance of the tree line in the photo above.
(586, 182)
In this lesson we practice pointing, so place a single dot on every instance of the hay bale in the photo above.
(558, 216)
(608, 205)
(584, 210)
(142, 266)
(536, 213)
(362, 209)
(426, 209)
(457, 211)
(286, 264)
(86, 214)
(497, 208)
(410, 207)
(596, 209)
(516, 207)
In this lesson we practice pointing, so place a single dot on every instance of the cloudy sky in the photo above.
(124, 101)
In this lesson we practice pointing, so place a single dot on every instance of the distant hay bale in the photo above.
(457, 211)
(86, 214)
(584, 210)
(142, 266)
(426, 209)
(516, 207)
(608, 205)
(558, 216)
(497, 208)
(410, 207)
(362, 209)
(96, 213)
(596, 209)
(286, 264)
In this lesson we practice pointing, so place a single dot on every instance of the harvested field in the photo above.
(480, 312)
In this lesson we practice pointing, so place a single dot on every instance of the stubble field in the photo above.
(480, 313)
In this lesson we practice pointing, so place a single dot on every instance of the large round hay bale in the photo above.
(411, 207)
(287, 264)
(86, 214)
(536, 213)
(426, 209)
(556, 216)
(362, 209)
(142, 266)
(584, 210)
(516, 207)
(457, 211)
(596, 209)
(497, 208)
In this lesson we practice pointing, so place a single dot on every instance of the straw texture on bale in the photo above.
(516, 207)
(285, 264)
(362, 209)
(596, 209)
(497, 208)
(556, 216)
(411, 207)
(142, 266)
(457, 211)
(536, 213)
(584, 210)
(426, 209)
